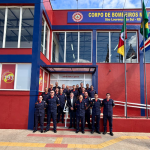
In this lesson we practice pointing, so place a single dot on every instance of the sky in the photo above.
(72, 4)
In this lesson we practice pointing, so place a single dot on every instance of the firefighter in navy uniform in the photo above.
(62, 100)
(64, 89)
(45, 94)
(68, 92)
(56, 92)
(87, 89)
(92, 92)
(51, 88)
(52, 103)
(87, 111)
(56, 86)
(96, 105)
(82, 91)
(80, 88)
(80, 106)
(39, 113)
(108, 105)
(75, 92)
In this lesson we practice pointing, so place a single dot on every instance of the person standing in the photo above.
(87, 89)
(108, 105)
(96, 105)
(62, 99)
(51, 88)
(39, 113)
(64, 89)
(71, 104)
(67, 92)
(92, 92)
(56, 92)
(45, 94)
(52, 103)
(80, 88)
(80, 113)
(87, 110)
(56, 86)
(75, 92)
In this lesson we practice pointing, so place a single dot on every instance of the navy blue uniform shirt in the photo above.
(75, 92)
(80, 108)
(62, 99)
(39, 108)
(52, 104)
(92, 93)
(45, 96)
(108, 107)
(87, 101)
(96, 106)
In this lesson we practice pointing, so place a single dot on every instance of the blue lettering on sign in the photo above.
(105, 16)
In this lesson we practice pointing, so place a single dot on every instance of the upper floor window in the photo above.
(45, 38)
(107, 46)
(72, 47)
(16, 27)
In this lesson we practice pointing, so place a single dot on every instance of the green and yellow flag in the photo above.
(145, 20)
(121, 38)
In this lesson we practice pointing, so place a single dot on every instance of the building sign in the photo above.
(105, 16)
(8, 76)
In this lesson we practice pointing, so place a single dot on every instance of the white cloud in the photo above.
(109, 4)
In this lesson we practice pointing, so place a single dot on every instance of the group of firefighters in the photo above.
(79, 100)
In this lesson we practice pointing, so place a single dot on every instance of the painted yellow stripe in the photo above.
(58, 140)
(22, 144)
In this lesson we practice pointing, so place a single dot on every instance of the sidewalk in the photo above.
(27, 140)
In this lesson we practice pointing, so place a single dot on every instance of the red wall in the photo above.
(14, 106)
(113, 82)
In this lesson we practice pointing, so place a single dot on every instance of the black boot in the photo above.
(104, 132)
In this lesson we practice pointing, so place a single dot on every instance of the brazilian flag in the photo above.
(145, 19)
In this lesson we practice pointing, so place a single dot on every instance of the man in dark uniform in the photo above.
(77, 87)
(75, 92)
(71, 104)
(80, 88)
(56, 92)
(82, 92)
(39, 113)
(92, 92)
(64, 89)
(87, 89)
(62, 99)
(108, 105)
(52, 103)
(45, 94)
(56, 86)
(87, 111)
(80, 113)
(67, 92)
(51, 88)
(96, 105)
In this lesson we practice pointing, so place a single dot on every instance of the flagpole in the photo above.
(144, 57)
(125, 64)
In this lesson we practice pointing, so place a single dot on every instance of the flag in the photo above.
(147, 44)
(121, 38)
(145, 20)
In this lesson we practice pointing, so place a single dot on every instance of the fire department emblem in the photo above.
(8, 77)
(77, 17)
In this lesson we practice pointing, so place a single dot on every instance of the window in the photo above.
(71, 79)
(103, 47)
(12, 30)
(45, 38)
(2, 20)
(15, 76)
(27, 28)
(17, 27)
(85, 47)
(107, 46)
(71, 47)
(23, 76)
(59, 38)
